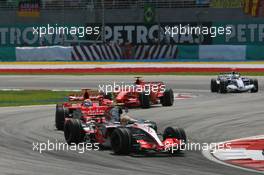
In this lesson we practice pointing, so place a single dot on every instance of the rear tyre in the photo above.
(60, 115)
(121, 141)
(144, 100)
(73, 131)
(214, 85)
(222, 87)
(255, 83)
(168, 98)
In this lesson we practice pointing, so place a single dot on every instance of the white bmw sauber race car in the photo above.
(233, 82)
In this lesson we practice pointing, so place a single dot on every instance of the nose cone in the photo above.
(240, 83)
(120, 97)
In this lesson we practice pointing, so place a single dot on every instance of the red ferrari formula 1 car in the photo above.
(85, 102)
(93, 95)
(132, 137)
(144, 94)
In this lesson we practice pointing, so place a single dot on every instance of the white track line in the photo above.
(208, 155)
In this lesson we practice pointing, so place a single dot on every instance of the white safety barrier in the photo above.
(222, 52)
(50, 53)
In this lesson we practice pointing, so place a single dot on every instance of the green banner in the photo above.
(188, 52)
(227, 3)
(255, 52)
(149, 14)
(7, 54)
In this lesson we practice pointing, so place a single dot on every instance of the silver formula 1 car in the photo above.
(233, 82)
(124, 136)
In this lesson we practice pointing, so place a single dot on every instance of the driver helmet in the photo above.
(87, 103)
(236, 75)
(138, 81)
(126, 119)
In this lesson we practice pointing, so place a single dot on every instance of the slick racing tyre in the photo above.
(73, 131)
(60, 115)
(121, 141)
(177, 133)
(168, 98)
(222, 87)
(144, 100)
(214, 85)
(255, 83)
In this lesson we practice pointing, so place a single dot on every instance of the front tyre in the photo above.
(73, 131)
(223, 85)
(214, 85)
(168, 98)
(255, 88)
(144, 100)
(177, 133)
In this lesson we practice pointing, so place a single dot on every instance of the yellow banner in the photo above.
(246, 6)
(255, 8)
(227, 3)
(28, 14)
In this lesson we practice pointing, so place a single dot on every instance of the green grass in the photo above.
(31, 97)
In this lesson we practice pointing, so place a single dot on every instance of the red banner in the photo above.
(254, 7)
(261, 8)
(29, 8)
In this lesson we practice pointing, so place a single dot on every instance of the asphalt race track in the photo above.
(206, 118)
(76, 82)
